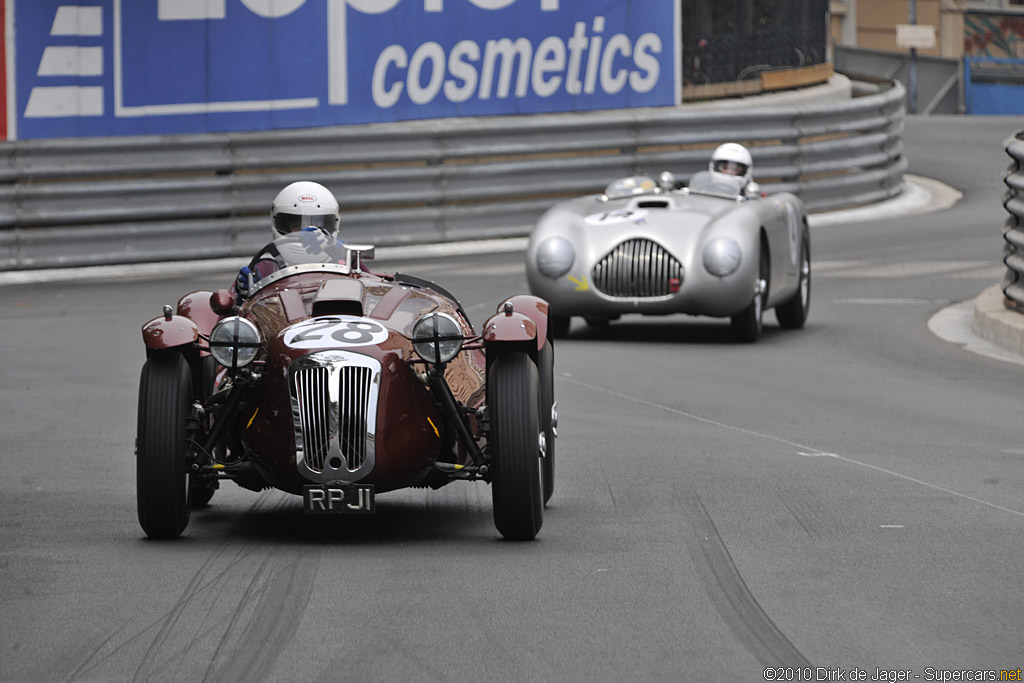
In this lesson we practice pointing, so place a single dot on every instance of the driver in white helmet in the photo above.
(734, 160)
(303, 205)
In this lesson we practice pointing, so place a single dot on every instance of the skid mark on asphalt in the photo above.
(801, 449)
(248, 592)
(732, 597)
(192, 599)
(283, 594)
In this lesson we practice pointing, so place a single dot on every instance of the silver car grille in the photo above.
(334, 409)
(637, 268)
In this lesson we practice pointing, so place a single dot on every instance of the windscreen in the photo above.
(720, 185)
(630, 187)
(306, 246)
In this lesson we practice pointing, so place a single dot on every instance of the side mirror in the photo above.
(357, 253)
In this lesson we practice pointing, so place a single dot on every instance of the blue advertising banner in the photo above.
(124, 67)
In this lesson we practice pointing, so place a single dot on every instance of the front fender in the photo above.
(533, 307)
(167, 332)
(510, 331)
(198, 307)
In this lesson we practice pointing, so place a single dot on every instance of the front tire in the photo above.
(748, 323)
(548, 417)
(793, 313)
(162, 481)
(516, 480)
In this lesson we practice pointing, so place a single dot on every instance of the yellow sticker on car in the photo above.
(581, 285)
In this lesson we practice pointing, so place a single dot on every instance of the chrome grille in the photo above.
(314, 400)
(637, 268)
(354, 395)
(334, 410)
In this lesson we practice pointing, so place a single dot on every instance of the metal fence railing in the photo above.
(144, 199)
(1013, 229)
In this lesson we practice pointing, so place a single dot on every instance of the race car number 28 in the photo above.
(333, 331)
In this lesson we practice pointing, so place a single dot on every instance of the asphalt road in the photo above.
(848, 496)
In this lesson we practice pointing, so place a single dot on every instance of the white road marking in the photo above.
(868, 301)
(803, 450)
(899, 270)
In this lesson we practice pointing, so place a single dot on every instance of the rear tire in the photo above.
(516, 479)
(201, 493)
(162, 480)
(793, 313)
(559, 325)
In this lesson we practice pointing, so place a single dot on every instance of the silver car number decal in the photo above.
(339, 330)
(619, 216)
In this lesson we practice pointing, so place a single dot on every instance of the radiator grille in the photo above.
(320, 417)
(354, 399)
(314, 399)
(637, 268)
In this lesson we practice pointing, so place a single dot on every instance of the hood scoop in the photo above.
(339, 297)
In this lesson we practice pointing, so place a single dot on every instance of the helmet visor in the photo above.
(285, 223)
(730, 167)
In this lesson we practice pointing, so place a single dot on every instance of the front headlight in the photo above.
(555, 256)
(234, 342)
(437, 338)
(722, 256)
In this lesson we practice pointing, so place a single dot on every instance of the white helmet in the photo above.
(731, 159)
(302, 204)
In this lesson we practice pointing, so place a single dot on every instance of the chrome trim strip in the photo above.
(334, 413)
(299, 269)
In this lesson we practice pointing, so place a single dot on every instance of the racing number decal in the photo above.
(619, 216)
(346, 330)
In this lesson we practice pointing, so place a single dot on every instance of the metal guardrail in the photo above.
(143, 199)
(940, 80)
(1013, 229)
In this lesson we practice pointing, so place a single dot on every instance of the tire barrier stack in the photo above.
(82, 202)
(1013, 229)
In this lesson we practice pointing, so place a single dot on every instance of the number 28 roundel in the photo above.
(335, 331)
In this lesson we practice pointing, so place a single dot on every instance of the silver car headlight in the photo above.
(555, 256)
(722, 256)
(437, 338)
(234, 342)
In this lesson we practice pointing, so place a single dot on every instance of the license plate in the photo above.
(338, 499)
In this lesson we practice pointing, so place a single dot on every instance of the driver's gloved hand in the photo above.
(245, 275)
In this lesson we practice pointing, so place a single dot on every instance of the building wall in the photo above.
(872, 24)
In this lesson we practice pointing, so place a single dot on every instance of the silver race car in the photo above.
(715, 248)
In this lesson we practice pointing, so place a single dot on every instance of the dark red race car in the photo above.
(336, 384)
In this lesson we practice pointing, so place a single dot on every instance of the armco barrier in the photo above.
(1013, 230)
(141, 199)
